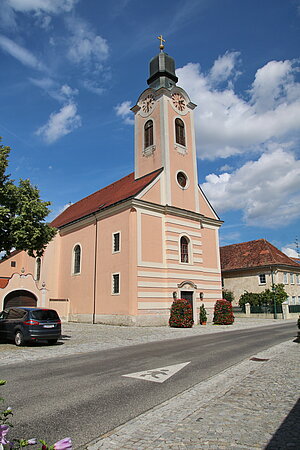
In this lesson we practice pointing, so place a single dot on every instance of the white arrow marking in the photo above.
(157, 375)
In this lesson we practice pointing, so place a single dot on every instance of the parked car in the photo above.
(23, 325)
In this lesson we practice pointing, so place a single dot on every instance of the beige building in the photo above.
(254, 266)
(122, 253)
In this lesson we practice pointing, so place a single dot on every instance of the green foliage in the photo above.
(228, 295)
(202, 314)
(22, 214)
(181, 315)
(223, 314)
(298, 322)
(266, 297)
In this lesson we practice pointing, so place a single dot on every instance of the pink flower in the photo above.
(32, 441)
(63, 444)
(4, 429)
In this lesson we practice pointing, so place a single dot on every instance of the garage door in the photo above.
(20, 298)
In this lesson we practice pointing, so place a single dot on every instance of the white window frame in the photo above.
(112, 283)
(259, 279)
(73, 260)
(298, 278)
(190, 250)
(285, 278)
(185, 134)
(292, 278)
(113, 241)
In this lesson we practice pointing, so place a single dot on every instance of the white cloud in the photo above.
(266, 190)
(225, 168)
(93, 87)
(85, 46)
(123, 111)
(228, 124)
(291, 252)
(20, 53)
(40, 8)
(60, 123)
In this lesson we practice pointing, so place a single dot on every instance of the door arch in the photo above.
(20, 297)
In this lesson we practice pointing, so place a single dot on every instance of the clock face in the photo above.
(178, 101)
(148, 103)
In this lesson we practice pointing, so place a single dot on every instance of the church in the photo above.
(122, 254)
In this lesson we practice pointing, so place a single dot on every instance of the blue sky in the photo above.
(70, 70)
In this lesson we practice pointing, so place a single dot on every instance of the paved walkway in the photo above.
(248, 406)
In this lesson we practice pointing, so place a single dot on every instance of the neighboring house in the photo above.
(254, 266)
(122, 253)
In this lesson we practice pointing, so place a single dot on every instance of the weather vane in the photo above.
(161, 42)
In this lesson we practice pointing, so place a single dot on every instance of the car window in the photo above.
(3, 314)
(44, 314)
(16, 313)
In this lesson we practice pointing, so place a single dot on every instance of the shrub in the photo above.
(202, 314)
(181, 315)
(223, 314)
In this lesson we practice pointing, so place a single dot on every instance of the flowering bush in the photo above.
(181, 314)
(223, 314)
(5, 425)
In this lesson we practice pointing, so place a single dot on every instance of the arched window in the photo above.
(179, 131)
(184, 250)
(148, 133)
(77, 259)
(38, 268)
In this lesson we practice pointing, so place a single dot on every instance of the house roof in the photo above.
(116, 192)
(252, 254)
(3, 282)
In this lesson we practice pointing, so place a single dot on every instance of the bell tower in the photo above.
(164, 134)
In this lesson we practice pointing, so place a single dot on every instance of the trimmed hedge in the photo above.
(181, 315)
(223, 314)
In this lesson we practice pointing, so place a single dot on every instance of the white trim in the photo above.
(172, 247)
(197, 252)
(183, 223)
(177, 276)
(198, 260)
(165, 146)
(154, 305)
(147, 188)
(154, 295)
(136, 147)
(112, 283)
(189, 267)
(194, 156)
(166, 284)
(218, 250)
(211, 227)
(180, 230)
(173, 257)
(113, 242)
(73, 260)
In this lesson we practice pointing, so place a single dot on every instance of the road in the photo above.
(85, 395)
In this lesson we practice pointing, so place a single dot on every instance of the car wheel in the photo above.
(52, 341)
(19, 338)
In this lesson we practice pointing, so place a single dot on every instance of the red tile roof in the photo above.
(3, 282)
(252, 254)
(116, 192)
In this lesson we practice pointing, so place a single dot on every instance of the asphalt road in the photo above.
(85, 395)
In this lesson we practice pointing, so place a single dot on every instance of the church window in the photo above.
(184, 249)
(77, 259)
(38, 263)
(116, 283)
(182, 179)
(179, 132)
(116, 242)
(148, 134)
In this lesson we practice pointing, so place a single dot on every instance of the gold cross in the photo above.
(161, 42)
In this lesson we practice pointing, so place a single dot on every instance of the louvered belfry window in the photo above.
(179, 131)
(148, 133)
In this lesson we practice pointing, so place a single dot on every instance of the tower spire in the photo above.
(161, 42)
(162, 69)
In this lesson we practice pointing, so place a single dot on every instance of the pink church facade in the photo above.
(123, 253)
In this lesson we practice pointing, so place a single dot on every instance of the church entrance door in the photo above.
(188, 295)
(20, 298)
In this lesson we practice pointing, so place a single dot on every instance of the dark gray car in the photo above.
(23, 325)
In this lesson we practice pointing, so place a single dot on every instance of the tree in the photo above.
(228, 295)
(266, 297)
(22, 214)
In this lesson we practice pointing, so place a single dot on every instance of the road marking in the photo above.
(158, 375)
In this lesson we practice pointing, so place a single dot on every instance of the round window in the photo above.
(182, 179)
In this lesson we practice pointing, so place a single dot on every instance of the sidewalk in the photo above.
(248, 406)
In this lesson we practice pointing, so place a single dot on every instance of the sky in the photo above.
(71, 69)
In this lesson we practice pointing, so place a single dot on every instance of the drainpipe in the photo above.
(95, 270)
(274, 294)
